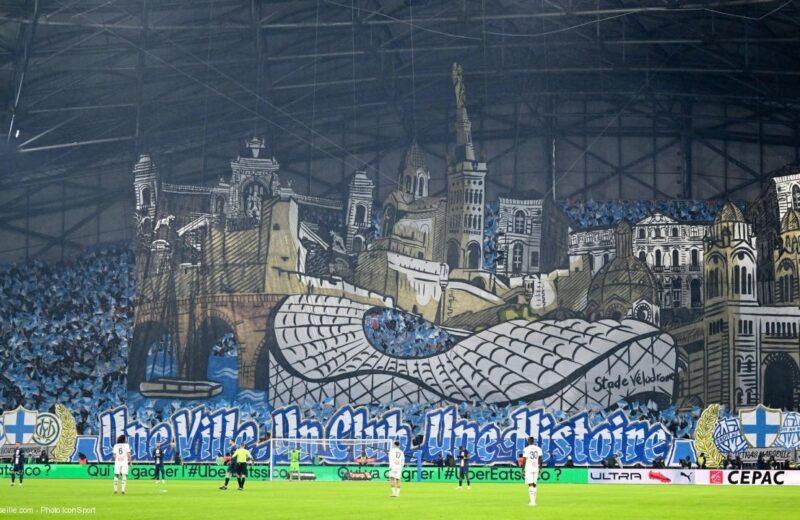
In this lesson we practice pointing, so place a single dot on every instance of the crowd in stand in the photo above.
(403, 334)
(589, 214)
(64, 331)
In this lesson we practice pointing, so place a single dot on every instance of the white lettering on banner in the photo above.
(747, 477)
(198, 434)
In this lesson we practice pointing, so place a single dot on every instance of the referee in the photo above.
(241, 456)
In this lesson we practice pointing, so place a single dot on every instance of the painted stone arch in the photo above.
(696, 288)
(219, 204)
(358, 244)
(262, 358)
(473, 255)
(253, 195)
(519, 222)
(212, 326)
(388, 220)
(716, 269)
(453, 255)
(517, 257)
(145, 196)
(796, 196)
(262, 365)
(781, 377)
(360, 216)
(144, 335)
(743, 254)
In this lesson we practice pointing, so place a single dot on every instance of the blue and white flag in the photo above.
(19, 425)
(789, 436)
(760, 426)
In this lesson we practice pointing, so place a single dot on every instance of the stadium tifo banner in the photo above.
(200, 434)
(324, 473)
(751, 431)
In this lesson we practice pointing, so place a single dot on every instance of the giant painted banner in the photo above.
(200, 434)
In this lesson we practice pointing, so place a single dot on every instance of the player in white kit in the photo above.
(533, 461)
(122, 458)
(397, 460)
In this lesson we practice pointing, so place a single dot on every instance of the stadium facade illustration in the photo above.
(711, 307)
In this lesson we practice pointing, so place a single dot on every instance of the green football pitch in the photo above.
(349, 500)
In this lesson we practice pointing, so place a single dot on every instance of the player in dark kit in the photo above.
(17, 463)
(463, 466)
(231, 463)
(158, 459)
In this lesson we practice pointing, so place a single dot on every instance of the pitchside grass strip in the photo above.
(371, 500)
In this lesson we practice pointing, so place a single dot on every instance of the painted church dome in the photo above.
(790, 221)
(621, 282)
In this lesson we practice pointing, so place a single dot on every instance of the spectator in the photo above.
(569, 463)
(773, 464)
(617, 461)
(737, 462)
(760, 463)
(728, 462)
(178, 460)
(701, 461)
(44, 457)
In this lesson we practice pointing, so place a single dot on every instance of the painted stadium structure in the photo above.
(321, 352)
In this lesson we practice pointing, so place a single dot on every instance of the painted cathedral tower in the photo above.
(466, 187)
(145, 186)
(415, 177)
(358, 216)
(731, 349)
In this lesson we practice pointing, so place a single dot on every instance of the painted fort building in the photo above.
(674, 252)
(597, 245)
(532, 234)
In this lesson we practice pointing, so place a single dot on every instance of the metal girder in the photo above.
(22, 68)
(171, 79)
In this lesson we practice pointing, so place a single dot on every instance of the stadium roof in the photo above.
(87, 85)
